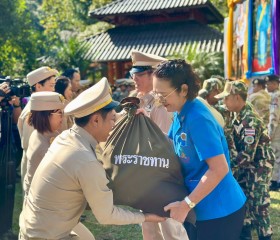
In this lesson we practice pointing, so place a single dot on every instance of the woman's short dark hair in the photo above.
(83, 121)
(179, 72)
(42, 82)
(40, 120)
(61, 84)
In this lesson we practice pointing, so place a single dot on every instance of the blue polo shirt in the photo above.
(197, 136)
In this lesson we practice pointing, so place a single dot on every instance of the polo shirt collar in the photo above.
(188, 104)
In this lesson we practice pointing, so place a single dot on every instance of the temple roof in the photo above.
(163, 39)
(126, 12)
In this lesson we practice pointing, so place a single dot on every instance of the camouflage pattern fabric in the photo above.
(261, 102)
(233, 87)
(274, 132)
(228, 128)
(209, 85)
(252, 167)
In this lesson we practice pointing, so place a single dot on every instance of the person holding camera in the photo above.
(4, 89)
(41, 79)
(13, 100)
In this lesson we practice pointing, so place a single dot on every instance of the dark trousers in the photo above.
(225, 228)
(191, 230)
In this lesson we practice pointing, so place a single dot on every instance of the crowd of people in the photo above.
(226, 140)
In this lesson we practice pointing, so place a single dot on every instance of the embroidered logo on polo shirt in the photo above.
(183, 136)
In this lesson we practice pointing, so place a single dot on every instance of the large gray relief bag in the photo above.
(144, 170)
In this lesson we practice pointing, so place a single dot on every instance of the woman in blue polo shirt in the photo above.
(200, 144)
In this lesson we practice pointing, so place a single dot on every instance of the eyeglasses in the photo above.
(162, 98)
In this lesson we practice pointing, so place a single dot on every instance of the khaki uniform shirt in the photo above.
(261, 102)
(25, 131)
(274, 119)
(38, 146)
(67, 121)
(156, 111)
(68, 177)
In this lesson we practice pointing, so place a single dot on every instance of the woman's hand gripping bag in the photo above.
(143, 168)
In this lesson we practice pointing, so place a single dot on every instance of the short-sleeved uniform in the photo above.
(68, 177)
(197, 137)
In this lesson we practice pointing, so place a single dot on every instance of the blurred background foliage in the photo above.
(48, 32)
(38, 32)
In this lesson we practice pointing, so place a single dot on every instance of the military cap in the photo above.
(144, 61)
(44, 101)
(40, 74)
(273, 78)
(91, 100)
(233, 87)
(259, 81)
(209, 85)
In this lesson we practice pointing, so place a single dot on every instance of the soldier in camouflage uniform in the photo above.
(253, 161)
(210, 88)
(260, 99)
(274, 127)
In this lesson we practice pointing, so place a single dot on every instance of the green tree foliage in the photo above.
(37, 32)
(21, 40)
(66, 23)
(69, 54)
(221, 5)
(41, 29)
(67, 15)
(206, 64)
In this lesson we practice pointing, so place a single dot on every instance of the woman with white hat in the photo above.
(46, 117)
